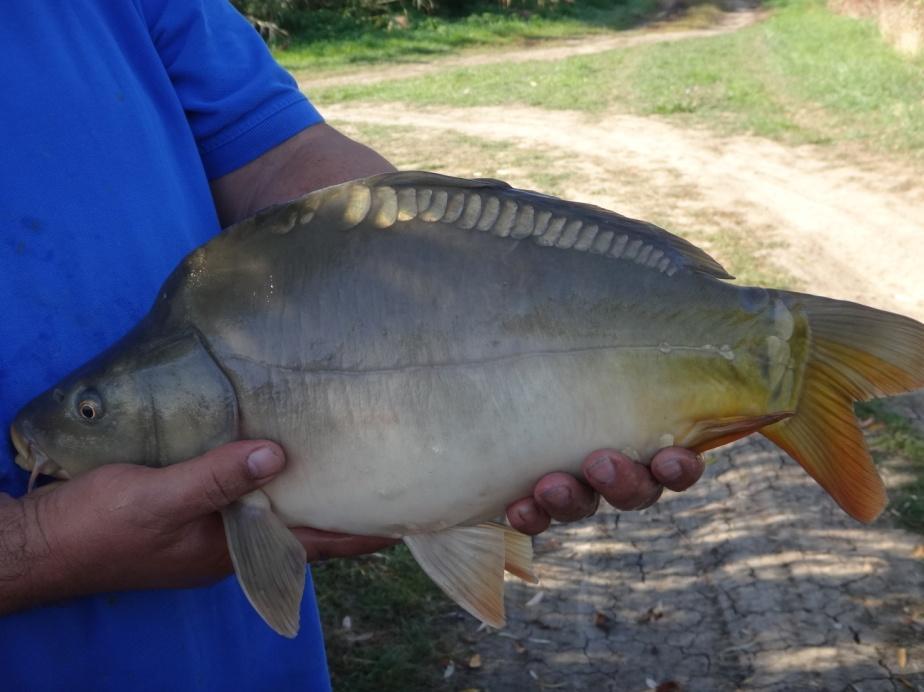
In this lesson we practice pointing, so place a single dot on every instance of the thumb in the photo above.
(211, 482)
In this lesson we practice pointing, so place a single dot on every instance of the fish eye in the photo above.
(89, 406)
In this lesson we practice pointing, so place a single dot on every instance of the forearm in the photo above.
(316, 157)
(27, 575)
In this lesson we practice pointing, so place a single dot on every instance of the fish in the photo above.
(424, 348)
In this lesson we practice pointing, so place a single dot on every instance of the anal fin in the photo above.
(709, 434)
(518, 553)
(468, 563)
(268, 559)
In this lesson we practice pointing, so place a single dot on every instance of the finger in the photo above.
(213, 481)
(677, 468)
(45, 488)
(526, 516)
(623, 483)
(323, 545)
(564, 497)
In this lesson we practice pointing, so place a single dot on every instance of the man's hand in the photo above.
(623, 483)
(129, 527)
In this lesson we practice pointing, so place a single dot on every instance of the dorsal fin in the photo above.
(492, 205)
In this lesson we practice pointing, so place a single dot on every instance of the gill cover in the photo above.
(193, 405)
(148, 400)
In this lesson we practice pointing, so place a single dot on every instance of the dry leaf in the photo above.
(902, 656)
(474, 661)
(668, 686)
(601, 621)
(357, 638)
(918, 552)
(547, 545)
(519, 647)
(652, 615)
(907, 685)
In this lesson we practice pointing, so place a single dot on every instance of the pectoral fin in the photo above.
(468, 563)
(268, 560)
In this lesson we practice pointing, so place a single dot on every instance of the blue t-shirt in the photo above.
(114, 117)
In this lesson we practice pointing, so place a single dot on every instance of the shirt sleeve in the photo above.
(239, 101)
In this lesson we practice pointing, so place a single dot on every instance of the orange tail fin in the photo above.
(856, 353)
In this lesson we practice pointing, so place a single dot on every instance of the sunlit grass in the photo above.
(804, 75)
(395, 640)
(898, 437)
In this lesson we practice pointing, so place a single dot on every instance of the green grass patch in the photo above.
(898, 437)
(401, 625)
(326, 40)
(805, 75)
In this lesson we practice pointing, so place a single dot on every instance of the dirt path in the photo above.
(753, 580)
(547, 51)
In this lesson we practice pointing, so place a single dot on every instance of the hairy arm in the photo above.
(316, 157)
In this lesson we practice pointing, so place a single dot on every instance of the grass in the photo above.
(895, 436)
(400, 633)
(804, 75)
(330, 41)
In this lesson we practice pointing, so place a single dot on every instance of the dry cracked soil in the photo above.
(753, 579)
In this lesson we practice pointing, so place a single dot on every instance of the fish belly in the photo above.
(417, 449)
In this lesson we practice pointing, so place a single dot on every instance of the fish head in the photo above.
(151, 402)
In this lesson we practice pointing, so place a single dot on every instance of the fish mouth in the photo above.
(29, 456)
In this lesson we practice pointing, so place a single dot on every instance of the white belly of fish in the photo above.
(420, 449)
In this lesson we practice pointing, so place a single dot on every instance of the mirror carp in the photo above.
(425, 348)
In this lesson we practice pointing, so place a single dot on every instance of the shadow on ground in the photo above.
(752, 580)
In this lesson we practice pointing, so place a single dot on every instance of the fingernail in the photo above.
(264, 462)
(670, 470)
(558, 497)
(602, 471)
(527, 513)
